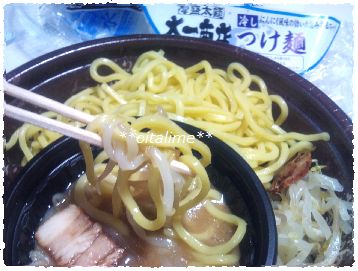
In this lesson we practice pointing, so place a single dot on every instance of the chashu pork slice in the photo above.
(72, 238)
(113, 258)
(99, 250)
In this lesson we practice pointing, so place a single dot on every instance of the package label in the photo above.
(297, 41)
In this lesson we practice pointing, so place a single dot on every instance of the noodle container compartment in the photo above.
(64, 72)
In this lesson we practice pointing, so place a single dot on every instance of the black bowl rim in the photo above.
(267, 254)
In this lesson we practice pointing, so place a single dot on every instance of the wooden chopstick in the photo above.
(43, 102)
(53, 125)
(57, 126)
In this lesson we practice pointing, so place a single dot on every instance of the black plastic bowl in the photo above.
(60, 164)
(64, 72)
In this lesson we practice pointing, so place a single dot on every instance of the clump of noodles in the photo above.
(115, 173)
(231, 104)
(32, 139)
(310, 221)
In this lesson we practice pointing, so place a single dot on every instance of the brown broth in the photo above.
(167, 251)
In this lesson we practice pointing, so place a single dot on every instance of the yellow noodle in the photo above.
(232, 104)
(195, 191)
(193, 198)
(87, 154)
(133, 208)
(218, 249)
(97, 214)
